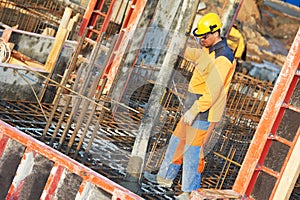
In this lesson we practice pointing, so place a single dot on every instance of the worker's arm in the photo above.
(201, 105)
(192, 54)
(240, 48)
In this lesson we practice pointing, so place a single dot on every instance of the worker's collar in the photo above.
(219, 45)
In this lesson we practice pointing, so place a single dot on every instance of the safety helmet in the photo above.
(209, 23)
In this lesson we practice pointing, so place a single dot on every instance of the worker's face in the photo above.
(207, 40)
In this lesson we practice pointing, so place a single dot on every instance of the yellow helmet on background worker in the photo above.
(209, 23)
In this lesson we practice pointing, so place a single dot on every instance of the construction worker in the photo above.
(204, 105)
(236, 42)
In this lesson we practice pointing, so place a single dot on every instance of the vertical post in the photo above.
(60, 38)
(179, 13)
(130, 23)
(71, 24)
(87, 16)
(231, 11)
(7, 33)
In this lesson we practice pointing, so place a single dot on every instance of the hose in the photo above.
(5, 51)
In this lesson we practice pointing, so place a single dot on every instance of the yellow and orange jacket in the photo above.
(214, 68)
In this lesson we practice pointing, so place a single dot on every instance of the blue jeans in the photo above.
(184, 150)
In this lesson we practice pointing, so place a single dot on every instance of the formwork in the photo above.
(90, 127)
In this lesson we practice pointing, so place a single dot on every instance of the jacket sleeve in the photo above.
(192, 54)
(202, 104)
(240, 48)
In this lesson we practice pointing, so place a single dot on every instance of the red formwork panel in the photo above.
(3, 142)
(62, 162)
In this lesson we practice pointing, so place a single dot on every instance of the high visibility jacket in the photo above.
(214, 68)
(236, 43)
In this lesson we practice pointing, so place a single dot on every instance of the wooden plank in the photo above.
(29, 64)
(73, 21)
(214, 194)
(18, 58)
(60, 38)
(7, 33)
(56, 49)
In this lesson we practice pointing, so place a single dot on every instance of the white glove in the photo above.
(188, 117)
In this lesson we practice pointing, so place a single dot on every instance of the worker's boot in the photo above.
(183, 196)
(158, 179)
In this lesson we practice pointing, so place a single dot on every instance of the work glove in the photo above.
(189, 117)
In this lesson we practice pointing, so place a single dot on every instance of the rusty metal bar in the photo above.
(82, 89)
(97, 95)
(268, 171)
(83, 111)
(64, 80)
(291, 107)
(100, 118)
(29, 16)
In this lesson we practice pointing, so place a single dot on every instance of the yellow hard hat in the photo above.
(209, 23)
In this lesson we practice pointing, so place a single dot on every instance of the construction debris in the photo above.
(203, 194)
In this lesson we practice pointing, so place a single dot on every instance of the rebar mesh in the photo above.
(109, 151)
(33, 15)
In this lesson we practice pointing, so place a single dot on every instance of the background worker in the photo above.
(204, 105)
(236, 42)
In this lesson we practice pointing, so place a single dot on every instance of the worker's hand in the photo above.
(189, 117)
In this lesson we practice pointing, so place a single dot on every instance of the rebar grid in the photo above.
(40, 16)
(33, 15)
(109, 151)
